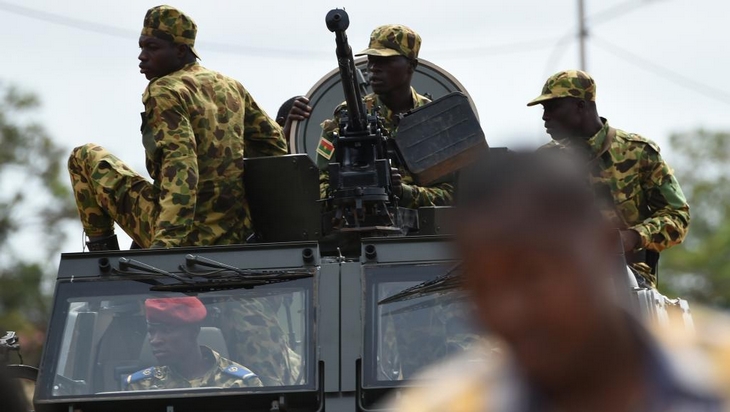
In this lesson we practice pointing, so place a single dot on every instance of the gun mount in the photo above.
(359, 177)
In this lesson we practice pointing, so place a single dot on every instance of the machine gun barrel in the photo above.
(337, 22)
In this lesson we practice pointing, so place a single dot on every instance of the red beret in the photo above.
(176, 311)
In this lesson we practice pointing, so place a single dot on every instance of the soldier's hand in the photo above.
(396, 182)
(300, 110)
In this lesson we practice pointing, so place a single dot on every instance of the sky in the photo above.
(658, 64)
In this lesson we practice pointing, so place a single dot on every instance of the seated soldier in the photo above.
(173, 325)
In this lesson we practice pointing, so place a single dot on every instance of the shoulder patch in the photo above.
(139, 375)
(239, 372)
(325, 148)
(640, 139)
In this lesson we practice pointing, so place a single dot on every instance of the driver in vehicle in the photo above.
(173, 325)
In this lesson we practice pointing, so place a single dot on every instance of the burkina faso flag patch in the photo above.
(325, 148)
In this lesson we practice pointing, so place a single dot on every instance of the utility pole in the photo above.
(582, 33)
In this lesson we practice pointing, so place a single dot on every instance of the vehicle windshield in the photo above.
(413, 332)
(120, 337)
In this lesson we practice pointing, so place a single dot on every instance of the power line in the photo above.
(496, 50)
(133, 35)
(558, 50)
(123, 33)
(618, 10)
(582, 29)
(658, 70)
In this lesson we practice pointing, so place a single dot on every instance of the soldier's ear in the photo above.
(183, 50)
(413, 63)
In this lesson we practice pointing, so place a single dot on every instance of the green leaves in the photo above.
(700, 270)
(34, 203)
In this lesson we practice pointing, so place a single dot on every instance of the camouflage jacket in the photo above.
(261, 342)
(223, 374)
(646, 196)
(439, 194)
(690, 372)
(197, 127)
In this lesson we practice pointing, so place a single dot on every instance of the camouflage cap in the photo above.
(169, 23)
(393, 40)
(568, 83)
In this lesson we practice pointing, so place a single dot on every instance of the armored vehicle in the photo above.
(328, 317)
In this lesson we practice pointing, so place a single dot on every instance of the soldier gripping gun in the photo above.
(360, 176)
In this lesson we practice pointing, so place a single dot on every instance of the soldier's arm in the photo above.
(669, 220)
(326, 153)
(262, 135)
(440, 194)
(178, 172)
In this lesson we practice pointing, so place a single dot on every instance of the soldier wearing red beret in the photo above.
(173, 325)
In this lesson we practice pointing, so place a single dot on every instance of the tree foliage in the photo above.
(700, 270)
(34, 202)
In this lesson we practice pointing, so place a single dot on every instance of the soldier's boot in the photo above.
(106, 243)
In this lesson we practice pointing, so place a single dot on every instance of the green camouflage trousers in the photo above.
(108, 191)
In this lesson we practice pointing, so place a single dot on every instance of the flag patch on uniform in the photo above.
(325, 148)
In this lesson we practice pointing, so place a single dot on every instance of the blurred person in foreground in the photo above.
(540, 264)
(173, 325)
(645, 200)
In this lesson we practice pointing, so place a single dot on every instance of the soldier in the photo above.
(647, 204)
(539, 263)
(392, 60)
(174, 325)
(196, 128)
(257, 339)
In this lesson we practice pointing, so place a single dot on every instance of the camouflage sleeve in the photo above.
(177, 179)
(327, 142)
(325, 152)
(439, 194)
(669, 219)
(262, 135)
(324, 184)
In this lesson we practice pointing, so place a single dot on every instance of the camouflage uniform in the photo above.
(223, 374)
(646, 196)
(389, 40)
(197, 127)
(258, 340)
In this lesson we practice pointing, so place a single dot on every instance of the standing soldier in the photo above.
(647, 204)
(196, 128)
(392, 60)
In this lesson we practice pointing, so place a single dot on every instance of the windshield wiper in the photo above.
(224, 271)
(447, 282)
(144, 269)
(209, 285)
(228, 277)
(223, 277)
(437, 300)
